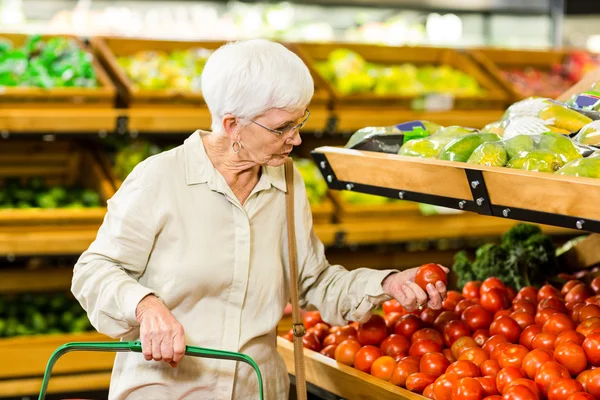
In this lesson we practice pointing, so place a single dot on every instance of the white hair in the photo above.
(248, 78)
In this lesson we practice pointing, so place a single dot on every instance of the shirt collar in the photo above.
(199, 169)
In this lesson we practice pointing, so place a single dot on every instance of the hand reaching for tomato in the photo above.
(418, 287)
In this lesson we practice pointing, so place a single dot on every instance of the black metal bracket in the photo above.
(331, 124)
(122, 124)
(481, 205)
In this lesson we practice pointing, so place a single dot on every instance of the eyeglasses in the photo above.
(286, 131)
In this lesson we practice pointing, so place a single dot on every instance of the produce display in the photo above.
(56, 62)
(35, 193)
(32, 314)
(350, 73)
(178, 69)
(316, 188)
(487, 342)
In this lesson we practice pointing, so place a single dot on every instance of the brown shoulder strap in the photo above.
(293, 257)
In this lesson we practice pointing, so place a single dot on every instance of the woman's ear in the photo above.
(231, 126)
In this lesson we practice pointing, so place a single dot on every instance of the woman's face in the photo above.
(264, 147)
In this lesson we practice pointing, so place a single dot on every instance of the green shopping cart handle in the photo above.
(137, 347)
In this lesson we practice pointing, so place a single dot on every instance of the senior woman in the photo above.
(193, 249)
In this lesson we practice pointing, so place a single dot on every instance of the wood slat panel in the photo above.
(35, 280)
(58, 384)
(57, 121)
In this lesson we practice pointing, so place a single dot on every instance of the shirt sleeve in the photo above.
(105, 278)
(339, 295)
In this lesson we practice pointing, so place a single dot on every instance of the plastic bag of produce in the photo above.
(490, 154)
(432, 146)
(585, 167)
(461, 148)
(389, 139)
(589, 134)
(497, 127)
(588, 102)
(552, 112)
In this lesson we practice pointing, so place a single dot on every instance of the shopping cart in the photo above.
(137, 347)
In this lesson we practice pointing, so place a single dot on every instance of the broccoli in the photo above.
(524, 257)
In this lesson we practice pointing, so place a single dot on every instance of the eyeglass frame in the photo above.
(291, 129)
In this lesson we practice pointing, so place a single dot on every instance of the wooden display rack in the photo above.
(388, 212)
(102, 96)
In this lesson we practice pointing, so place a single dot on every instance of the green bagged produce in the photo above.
(518, 145)
(559, 145)
(388, 139)
(432, 146)
(559, 117)
(584, 167)
(490, 154)
(460, 149)
(536, 160)
(589, 134)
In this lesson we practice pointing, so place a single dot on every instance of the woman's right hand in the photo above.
(161, 334)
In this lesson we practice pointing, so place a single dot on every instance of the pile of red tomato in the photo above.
(487, 342)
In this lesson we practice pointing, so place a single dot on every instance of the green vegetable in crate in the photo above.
(585, 167)
(589, 134)
(130, 156)
(536, 160)
(560, 145)
(316, 188)
(460, 149)
(518, 145)
(490, 154)
(494, 127)
(524, 257)
(424, 148)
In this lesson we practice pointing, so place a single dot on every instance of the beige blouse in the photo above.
(176, 229)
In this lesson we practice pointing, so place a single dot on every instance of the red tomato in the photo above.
(544, 341)
(528, 383)
(490, 368)
(411, 359)
(495, 354)
(428, 315)
(506, 375)
(373, 331)
(419, 381)
(576, 310)
(430, 273)
(571, 305)
(568, 286)
(507, 327)
(592, 383)
(528, 293)
(428, 392)
(494, 300)
(407, 325)
(444, 318)
(311, 318)
(495, 397)
(592, 299)
(547, 291)
(434, 364)
(448, 354)
(492, 342)
(471, 290)
(562, 388)
(490, 283)
(481, 336)
(333, 339)
(474, 354)
(477, 317)
(591, 346)
(512, 356)
(571, 356)
(463, 305)
(528, 334)
(395, 345)
(462, 344)
(467, 389)
(424, 346)
(321, 329)
(525, 306)
(595, 285)
(452, 299)
(366, 357)
(579, 293)
(345, 330)
(442, 388)
(346, 352)
(383, 368)
(511, 293)
(311, 341)
(428, 333)
(582, 378)
(553, 302)
(523, 318)
(454, 330)
(533, 360)
(391, 319)
(519, 392)
(588, 311)
(391, 306)
(569, 336)
(581, 396)
(464, 369)
(542, 315)
(488, 384)
(329, 351)
(558, 323)
(402, 371)
(588, 326)
(548, 373)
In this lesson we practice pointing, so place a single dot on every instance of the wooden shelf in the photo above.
(35, 280)
(58, 121)
(58, 384)
(342, 380)
(53, 240)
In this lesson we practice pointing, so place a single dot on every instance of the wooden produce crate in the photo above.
(493, 98)
(102, 96)
(26, 359)
(496, 60)
(340, 379)
(346, 212)
(59, 163)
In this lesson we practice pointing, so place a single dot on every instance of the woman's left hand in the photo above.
(402, 287)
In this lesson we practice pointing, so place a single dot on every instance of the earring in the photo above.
(236, 146)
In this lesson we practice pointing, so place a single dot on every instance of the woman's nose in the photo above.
(295, 139)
